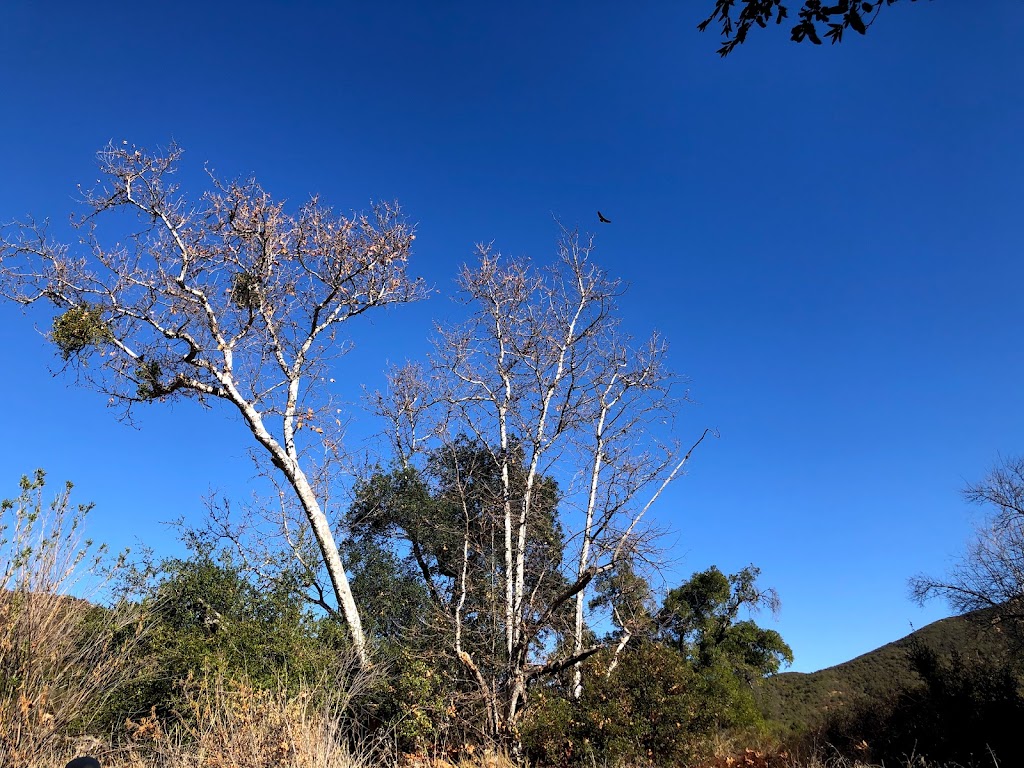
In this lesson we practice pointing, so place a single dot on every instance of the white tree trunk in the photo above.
(289, 465)
(332, 560)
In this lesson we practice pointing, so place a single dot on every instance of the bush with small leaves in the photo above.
(649, 710)
(79, 329)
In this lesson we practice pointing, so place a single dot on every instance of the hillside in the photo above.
(794, 701)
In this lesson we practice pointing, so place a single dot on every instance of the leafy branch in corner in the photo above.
(835, 19)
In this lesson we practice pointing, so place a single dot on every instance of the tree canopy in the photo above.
(225, 297)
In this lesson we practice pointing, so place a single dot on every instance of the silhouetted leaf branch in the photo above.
(738, 17)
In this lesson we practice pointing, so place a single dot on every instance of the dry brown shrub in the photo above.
(225, 723)
(751, 758)
(61, 658)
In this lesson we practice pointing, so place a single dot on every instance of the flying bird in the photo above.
(602, 219)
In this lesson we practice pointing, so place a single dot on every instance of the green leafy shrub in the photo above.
(208, 617)
(649, 710)
(412, 699)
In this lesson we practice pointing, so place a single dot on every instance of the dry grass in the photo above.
(60, 657)
(231, 724)
(226, 724)
(735, 750)
(908, 762)
(776, 758)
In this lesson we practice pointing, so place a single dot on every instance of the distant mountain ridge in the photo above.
(796, 701)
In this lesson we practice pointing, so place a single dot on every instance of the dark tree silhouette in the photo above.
(738, 18)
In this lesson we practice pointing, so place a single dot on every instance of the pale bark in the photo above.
(543, 372)
(232, 299)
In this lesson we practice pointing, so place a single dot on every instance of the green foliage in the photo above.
(215, 613)
(686, 674)
(209, 616)
(213, 620)
(795, 702)
(629, 597)
(650, 710)
(423, 518)
(392, 598)
(414, 698)
(753, 651)
(966, 710)
(147, 374)
(700, 620)
(79, 329)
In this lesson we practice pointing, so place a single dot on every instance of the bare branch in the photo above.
(572, 415)
(230, 298)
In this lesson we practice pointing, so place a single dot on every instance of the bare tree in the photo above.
(544, 379)
(230, 299)
(991, 573)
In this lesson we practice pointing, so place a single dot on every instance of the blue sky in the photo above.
(827, 236)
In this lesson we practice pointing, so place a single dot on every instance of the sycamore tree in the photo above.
(225, 298)
(442, 523)
(566, 420)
